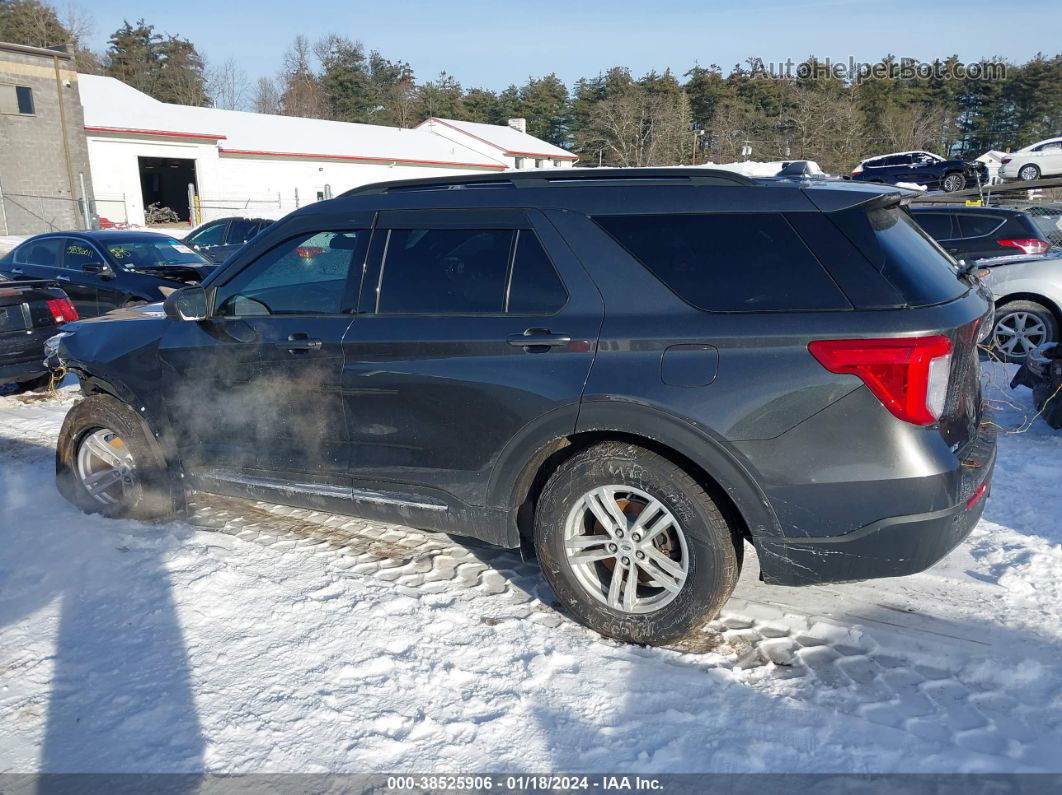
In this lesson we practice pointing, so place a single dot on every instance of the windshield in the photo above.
(142, 253)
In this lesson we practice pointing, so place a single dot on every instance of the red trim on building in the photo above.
(502, 149)
(361, 158)
(155, 133)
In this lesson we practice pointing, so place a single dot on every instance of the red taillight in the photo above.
(908, 375)
(1005, 160)
(1028, 245)
(857, 172)
(62, 310)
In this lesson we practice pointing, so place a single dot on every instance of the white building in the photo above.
(143, 151)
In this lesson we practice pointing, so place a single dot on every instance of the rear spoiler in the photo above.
(829, 201)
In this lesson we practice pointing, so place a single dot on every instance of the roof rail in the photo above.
(559, 178)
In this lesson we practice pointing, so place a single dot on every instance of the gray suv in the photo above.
(629, 374)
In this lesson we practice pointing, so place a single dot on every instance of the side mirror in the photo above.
(188, 303)
(99, 268)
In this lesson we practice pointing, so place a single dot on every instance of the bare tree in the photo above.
(227, 86)
(916, 126)
(301, 92)
(266, 96)
(636, 127)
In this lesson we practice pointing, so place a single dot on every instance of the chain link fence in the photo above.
(34, 213)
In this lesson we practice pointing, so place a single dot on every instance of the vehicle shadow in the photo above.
(119, 696)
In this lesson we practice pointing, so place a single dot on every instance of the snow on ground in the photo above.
(260, 638)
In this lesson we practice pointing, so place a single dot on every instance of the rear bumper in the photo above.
(891, 547)
(22, 371)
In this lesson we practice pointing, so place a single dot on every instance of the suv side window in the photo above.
(209, 235)
(979, 224)
(534, 287)
(444, 271)
(938, 225)
(41, 252)
(728, 262)
(898, 160)
(307, 275)
(241, 230)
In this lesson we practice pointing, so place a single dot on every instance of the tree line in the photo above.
(614, 118)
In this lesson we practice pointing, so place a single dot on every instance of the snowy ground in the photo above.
(257, 638)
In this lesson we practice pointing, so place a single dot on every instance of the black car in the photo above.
(108, 269)
(973, 233)
(30, 313)
(629, 373)
(220, 239)
(922, 168)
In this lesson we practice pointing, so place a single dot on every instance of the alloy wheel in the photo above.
(626, 549)
(1017, 334)
(105, 466)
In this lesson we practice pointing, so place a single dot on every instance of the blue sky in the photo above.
(492, 44)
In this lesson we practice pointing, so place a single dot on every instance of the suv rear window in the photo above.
(978, 224)
(910, 259)
(729, 262)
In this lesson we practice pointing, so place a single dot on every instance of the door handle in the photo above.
(16, 270)
(538, 338)
(299, 342)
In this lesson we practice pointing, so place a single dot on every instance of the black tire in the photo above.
(714, 550)
(153, 493)
(1030, 308)
(953, 181)
(1029, 172)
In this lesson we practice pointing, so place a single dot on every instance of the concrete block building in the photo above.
(44, 164)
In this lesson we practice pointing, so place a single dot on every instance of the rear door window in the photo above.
(47, 251)
(728, 262)
(444, 271)
(534, 287)
(979, 224)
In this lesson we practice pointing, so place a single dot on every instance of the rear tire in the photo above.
(1019, 326)
(129, 462)
(686, 565)
(1029, 172)
(953, 182)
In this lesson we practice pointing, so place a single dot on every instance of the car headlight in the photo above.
(51, 345)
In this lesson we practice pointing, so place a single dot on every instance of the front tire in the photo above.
(107, 462)
(1019, 327)
(1029, 173)
(633, 546)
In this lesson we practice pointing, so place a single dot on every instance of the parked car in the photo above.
(976, 232)
(1028, 293)
(922, 168)
(1042, 373)
(30, 313)
(107, 269)
(218, 240)
(626, 372)
(1041, 159)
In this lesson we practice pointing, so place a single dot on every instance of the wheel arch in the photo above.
(1035, 298)
(703, 457)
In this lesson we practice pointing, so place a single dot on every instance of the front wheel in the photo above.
(633, 546)
(107, 462)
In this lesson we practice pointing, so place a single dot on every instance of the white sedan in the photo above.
(1042, 159)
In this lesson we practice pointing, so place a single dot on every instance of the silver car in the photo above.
(1028, 293)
